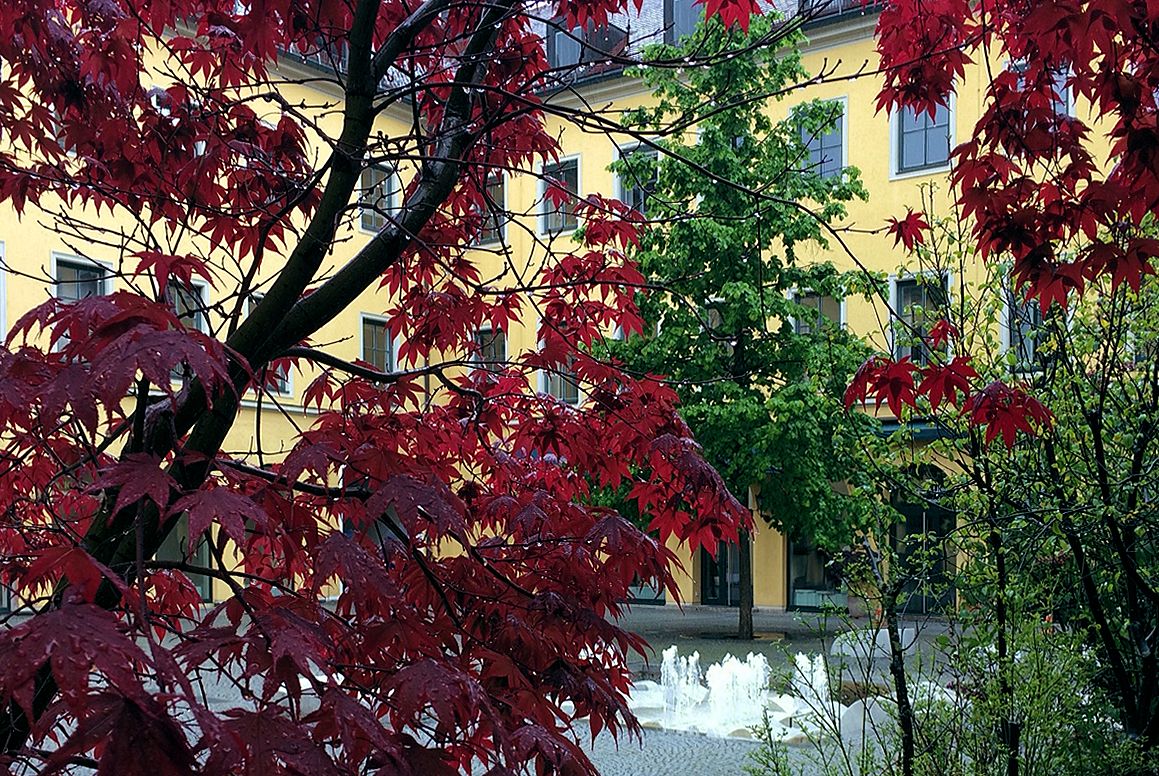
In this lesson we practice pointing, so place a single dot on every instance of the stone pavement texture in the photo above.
(670, 754)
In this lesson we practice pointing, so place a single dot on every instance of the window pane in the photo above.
(496, 203)
(913, 150)
(375, 197)
(822, 312)
(923, 141)
(686, 14)
(562, 384)
(825, 148)
(78, 281)
(920, 303)
(639, 181)
(1024, 325)
(277, 378)
(564, 175)
(490, 350)
(565, 50)
(377, 349)
(189, 306)
(937, 146)
(912, 121)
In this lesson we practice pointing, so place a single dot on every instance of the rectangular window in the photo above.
(920, 303)
(561, 217)
(1060, 103)
(923, 141)
(494, 224)
(377, 345)
(588, 44)
(76, 280)
(489, 350)
(638, 181)
(820, 313)
(188, 302)
(827, 149)
(564, 47)
(603, 42)
(376, 197)
(681, 18)
(563, 384)
(277, 379)
(1024, 326)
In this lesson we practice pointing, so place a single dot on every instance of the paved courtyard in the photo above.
(671, 754)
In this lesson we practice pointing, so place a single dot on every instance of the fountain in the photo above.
(731, 697)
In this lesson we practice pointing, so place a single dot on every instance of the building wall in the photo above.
(843, 47)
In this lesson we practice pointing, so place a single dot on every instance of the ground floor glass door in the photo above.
(814, 582)
(922, 541)
(720, 576)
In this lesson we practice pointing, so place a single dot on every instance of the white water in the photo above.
(732, 696)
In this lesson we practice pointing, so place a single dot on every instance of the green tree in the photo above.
(737, 326)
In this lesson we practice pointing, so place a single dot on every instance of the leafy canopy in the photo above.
(760, 393)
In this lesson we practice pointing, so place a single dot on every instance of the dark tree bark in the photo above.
(745, 573)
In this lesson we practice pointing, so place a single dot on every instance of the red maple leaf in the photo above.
(1006, 411)
(738, 12)
(910, 230)
(135, 477)
(894, 384)
(946, 382)
(942, 333)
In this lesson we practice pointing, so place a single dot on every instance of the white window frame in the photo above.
(625, 151)
(546, 375)
(58, 257)
(475, 360)
(542, 210)
(895, 311)
(792, 295)
(1006, 338)
(289, 391)
(896, 174)
(363, 318)
(500, 237)
(393, 187)
(542, 379)
(844, 100)
(1068, 92)
(202, 290)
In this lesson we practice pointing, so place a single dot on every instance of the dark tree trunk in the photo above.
(1010, 731)
(745, 575)
(905, 712)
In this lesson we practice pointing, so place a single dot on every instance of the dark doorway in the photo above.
(720, 576)
(925, 553)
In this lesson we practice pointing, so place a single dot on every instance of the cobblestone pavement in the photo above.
(671, 754)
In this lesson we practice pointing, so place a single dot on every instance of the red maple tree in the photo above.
(1030, 177)
(473, 577)
(1068, 199)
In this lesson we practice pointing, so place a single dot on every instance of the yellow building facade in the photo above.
(904, 161)
(41, 262)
